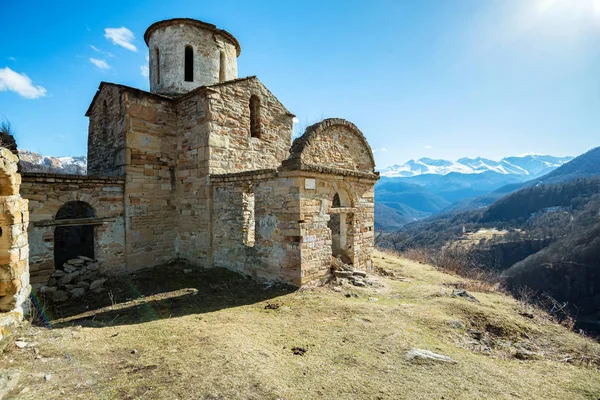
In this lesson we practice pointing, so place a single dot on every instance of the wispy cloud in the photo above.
(295, 120)
(380, 150)
(99, 63)
(20, 84)
(429, 147)
(145, 70)
(97, 50)
(12, 58)
(121, 37)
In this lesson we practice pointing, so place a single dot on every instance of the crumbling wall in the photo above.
(273, 253)
(14, 269)
(47, 193)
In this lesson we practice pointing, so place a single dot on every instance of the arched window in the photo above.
(157, 57)
(336, 203)
(189, 63)
(222, 61)
(255, 129)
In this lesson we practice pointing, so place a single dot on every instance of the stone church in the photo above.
(202, 168)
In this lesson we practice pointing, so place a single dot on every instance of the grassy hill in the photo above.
(212, 334)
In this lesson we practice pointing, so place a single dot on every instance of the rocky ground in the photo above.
(410, 332)
(73, 280)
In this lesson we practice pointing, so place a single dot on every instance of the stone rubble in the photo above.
(77, 277)
(344, 272)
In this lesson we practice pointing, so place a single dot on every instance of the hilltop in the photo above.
(213, 334)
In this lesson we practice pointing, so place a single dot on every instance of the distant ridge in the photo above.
(34, 162)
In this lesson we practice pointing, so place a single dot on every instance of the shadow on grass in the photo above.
(158, 293)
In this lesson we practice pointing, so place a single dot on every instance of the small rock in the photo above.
(352, 295)
(133, 351)
(475, 334)
(92, 267)
(59, 296)
(47, 377)
(456, 324)
(75, 261)
(83, 284)
(69, 286)
(337, 289)
(84, 258)
(342, 274)
(58, 273)
(77, 292)
(420, 355)
(51, 282)
(65, 280)
(464, 294)
(359, 273)
(522, 354)
(526, 314)
(20, 344)
(97, 283)
(373, 299)
(48, 289)
(359, 283)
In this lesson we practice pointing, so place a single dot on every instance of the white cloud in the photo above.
(145, 70)
(99, 63)
(12, 58)
(295, 120)
(381, 150)
(429, 147)
(19, 83)
(97, 50)
(121, 37)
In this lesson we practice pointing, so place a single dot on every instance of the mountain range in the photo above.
(34, 162)
(527, 166)
(421, 188)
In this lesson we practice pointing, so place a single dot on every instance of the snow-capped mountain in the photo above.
(528, 166)
(34, 162)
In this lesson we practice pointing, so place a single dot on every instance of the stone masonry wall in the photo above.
(106, 136)
(14, 270)
(193, 191)
(274, 254)
(151, 179)
(47, 193)
(316, 197)
(231, 148)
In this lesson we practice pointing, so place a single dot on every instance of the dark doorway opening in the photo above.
(71, 241)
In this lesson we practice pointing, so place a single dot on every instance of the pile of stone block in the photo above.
(77, 277)
(345, 272)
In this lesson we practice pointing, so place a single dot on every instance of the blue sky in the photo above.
(426, 78)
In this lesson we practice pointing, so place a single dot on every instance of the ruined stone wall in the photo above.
(168, 65)
(316, 195)
(150, 187)
(231, 147)
(106, 133)
(274, 253)
(193, 190)
(14, 270)
(47, 193)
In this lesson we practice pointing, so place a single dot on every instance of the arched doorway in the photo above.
(340, 224)
(73, 239)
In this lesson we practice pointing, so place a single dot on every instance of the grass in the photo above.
(212, 334)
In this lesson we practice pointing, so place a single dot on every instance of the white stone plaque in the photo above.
(310, 183)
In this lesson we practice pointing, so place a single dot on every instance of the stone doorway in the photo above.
(75, 237)
(340, 224)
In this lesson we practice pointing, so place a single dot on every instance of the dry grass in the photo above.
(219, 336)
